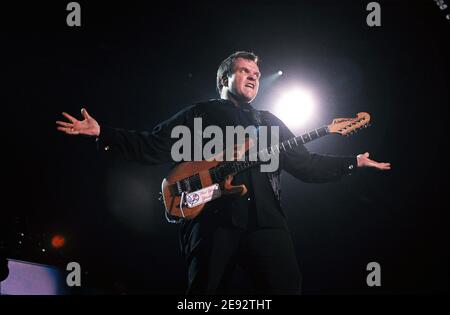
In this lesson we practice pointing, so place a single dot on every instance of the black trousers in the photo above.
(233, 261)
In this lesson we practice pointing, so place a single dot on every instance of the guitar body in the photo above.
(173, 201)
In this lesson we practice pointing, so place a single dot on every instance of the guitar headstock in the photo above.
(347, 126)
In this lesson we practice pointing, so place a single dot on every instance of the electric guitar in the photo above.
(190, 185)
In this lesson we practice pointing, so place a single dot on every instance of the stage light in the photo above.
(58, 241)
(295, 108)
(268, 80)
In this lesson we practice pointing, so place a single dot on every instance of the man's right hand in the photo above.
(88, 126)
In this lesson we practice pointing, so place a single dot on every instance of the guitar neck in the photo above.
(295, 142)
(220, 172)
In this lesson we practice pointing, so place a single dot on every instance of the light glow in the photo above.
(295, 108)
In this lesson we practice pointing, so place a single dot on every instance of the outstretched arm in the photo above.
(141, 146)
(319, 168)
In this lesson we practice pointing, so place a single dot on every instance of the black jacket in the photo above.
(260, 207)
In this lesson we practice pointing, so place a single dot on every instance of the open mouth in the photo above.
(250, 85)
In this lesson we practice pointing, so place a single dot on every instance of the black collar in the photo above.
(244, 107)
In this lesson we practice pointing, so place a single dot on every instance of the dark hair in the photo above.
(226, 68)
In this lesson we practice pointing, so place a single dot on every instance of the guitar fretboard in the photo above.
(220, 172)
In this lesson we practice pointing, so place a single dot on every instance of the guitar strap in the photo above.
(274, 177)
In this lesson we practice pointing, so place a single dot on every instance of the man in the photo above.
(241, 233)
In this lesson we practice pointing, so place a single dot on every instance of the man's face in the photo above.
(244, 81)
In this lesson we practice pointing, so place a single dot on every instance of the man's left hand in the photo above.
(364, 161)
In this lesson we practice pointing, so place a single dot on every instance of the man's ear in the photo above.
(224, 80)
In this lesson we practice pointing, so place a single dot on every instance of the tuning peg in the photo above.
(160, 196)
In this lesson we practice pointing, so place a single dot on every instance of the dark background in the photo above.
(133, 64)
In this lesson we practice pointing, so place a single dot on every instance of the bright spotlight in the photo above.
(295, 108)
(280, 72)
